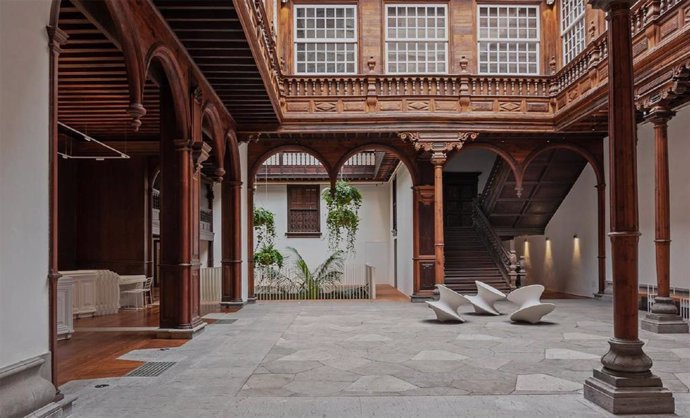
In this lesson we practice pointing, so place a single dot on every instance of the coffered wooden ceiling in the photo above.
(93, 93)
(212, 34)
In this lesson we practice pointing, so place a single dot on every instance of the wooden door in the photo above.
(459, 189)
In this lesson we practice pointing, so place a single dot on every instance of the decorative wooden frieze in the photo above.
(423, 105)
(668, 28)
(537, 107)
(509, 107)
(388, 106)
(325, 106)
(446, 105)
(297, 106)
(354, 106)
(482, 106)
(640, 47)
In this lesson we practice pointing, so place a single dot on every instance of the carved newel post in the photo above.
(664, 318)
(438, 159)
(625, 383)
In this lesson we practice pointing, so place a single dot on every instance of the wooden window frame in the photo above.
(305, 234)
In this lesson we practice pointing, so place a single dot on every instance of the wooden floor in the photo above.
(387, 293)
(93, 354)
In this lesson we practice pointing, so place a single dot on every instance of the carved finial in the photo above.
(197, 94)
(552, 64)
(218, 174)
(463, 64)
(371, 63)
(137, 111)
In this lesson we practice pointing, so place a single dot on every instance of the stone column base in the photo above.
(24, 391)
(664, 324)
(251, 300)
(181, 333)
(422, 296)
(58, 409)
(633, 394)
(232, 303)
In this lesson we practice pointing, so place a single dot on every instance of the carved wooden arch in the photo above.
(411, 167)
(515, 166)
(210, 114)
(287, 148)
(593, 161)
(176, 81)
(135, 65)
(232, 156)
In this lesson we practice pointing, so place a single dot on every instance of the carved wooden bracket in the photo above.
(200, 153)
(665, 95)
(438, 142)
(425, 194)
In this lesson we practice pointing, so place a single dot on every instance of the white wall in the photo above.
(564, 263)
(373, 237)
(405, 221)
(24, 174)
(472, 161)
(679, 173)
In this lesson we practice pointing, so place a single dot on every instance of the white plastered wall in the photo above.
(679, 178)
(567, 262)
(217, 227)
(405, 226)
(373, 237)
(24, 141)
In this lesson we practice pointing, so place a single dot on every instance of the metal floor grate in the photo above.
(151, 369)
(224, 322)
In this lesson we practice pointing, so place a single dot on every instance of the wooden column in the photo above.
(625, 383)
(57, 37)
(438, 159)
(251, 298)
(601, 236)
(231, 242)
(664, 318)
(177, 172)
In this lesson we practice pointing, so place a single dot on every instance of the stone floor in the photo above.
(355, 359)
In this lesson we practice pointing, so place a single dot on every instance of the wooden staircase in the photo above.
(467, 260)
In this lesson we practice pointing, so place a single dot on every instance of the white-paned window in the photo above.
(572, 28)
(416, 38)
(508, 39)
(325, 39)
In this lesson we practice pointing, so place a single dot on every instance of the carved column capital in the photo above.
(439, 158)
(424, 194)
(438, 142)
(660, 114)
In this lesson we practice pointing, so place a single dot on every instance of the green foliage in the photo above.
(265, 253)
(342, 220)
(327, 273)
(268, 256)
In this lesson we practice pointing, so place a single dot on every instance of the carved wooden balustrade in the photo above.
(579, 87)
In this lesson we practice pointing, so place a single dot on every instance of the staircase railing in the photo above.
(506, 260)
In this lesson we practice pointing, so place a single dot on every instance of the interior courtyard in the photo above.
(229, 208)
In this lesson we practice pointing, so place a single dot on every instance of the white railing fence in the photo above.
(210, 283)
(356, 281)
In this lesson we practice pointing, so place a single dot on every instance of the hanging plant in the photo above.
(343, 205)
(265, 253)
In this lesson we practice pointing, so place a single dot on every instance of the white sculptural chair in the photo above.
(531, 309)
(446, 307)
(485, 298)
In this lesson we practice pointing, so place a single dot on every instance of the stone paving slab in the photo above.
(357, 359)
